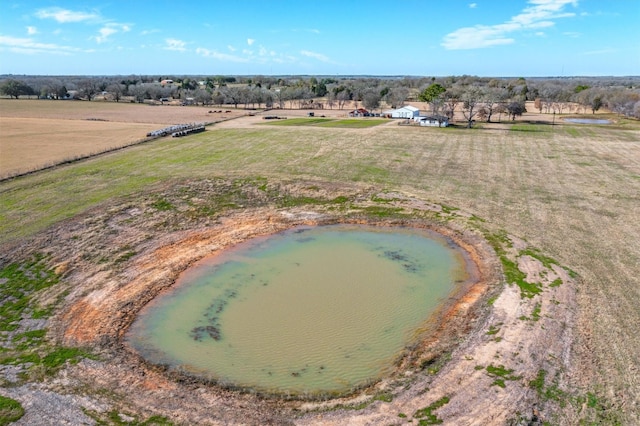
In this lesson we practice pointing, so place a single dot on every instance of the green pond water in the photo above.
(309, 311)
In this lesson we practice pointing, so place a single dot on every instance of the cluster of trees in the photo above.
(478, 98)
(478, 101)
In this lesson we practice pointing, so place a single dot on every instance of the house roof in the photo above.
(434, 117)
(408, 108)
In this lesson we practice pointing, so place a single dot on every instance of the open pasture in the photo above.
(32, 143)
(329, 122)
(36, 134)
(571, 192)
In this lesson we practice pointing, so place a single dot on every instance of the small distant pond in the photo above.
(588, 120)
(307, 312)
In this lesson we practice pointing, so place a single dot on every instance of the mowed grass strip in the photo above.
(355, 123)
(329, 122)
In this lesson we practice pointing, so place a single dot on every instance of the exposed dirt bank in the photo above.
(475, 366)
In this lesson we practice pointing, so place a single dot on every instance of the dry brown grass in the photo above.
(571, 191)
(36, 133)
(32, 143)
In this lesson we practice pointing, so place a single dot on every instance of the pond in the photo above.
(588, 120)
(307, 312)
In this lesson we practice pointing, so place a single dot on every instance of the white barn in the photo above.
(407, 111)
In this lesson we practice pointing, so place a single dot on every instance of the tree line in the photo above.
(479, 98)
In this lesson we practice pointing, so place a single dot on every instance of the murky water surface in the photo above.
(308, 311)
(588, 120)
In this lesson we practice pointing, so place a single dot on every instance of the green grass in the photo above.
(384, 397)
(162, 205)
(493, 330)
(535, 314)
(10, 410)
(547, 392)
(426, 414)
(115, 418)
(530, 128)
(299, 121)
(20, 282)
(572, 131)
(356, 123)
(499, 373)
(41, 361)
(514, 275)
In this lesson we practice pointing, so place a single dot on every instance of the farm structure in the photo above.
(360, 112)
(178, 130)
(432, 121)
(406, 111)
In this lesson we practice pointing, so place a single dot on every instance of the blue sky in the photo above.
(330, 37)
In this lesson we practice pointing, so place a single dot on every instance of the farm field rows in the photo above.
(33, 143)
(36, 134)
(570, 191)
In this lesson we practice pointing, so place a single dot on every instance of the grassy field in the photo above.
(51, 141)
(329, 122)
(572, 191)
(37, 134)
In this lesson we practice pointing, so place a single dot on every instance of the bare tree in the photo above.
(371, 98)
(471, 103)
(492, 98)
(331, 99)
(202, 96)
(451, 101)
(139, 92)
(279, 99)
(116, 90)
(233, 95)
(342, 98)
(89, 88)
(218, 98)
(397, 96)
(561, 100)
(538, 105)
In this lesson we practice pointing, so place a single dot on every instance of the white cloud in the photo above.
(318, 56)
(32, 30)
(29, 46)
(540, 14)
(110, 29)
(473, 5)
(105, 32)
(220, 56)
(175, 44)
(231, 48)
(250, 41)
(65, 16)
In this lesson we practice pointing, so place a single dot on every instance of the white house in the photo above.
(432, 121)
(406, 111)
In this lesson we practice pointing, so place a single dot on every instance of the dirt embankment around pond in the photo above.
(475, 366)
